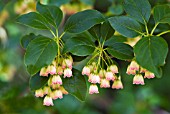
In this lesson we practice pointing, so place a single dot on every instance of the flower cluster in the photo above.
(138, 71)
(60, 68)
(102, 77)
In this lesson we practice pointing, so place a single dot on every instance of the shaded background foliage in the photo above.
(15, 96)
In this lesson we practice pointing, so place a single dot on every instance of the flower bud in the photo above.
(39, 93)
(48, 101)
(93, 89)
(43, 72)
(67, 73)
(113, 69)
(110, 76)
(102, 73)
(134, 66)
(105, 83)
(57, 94)
(56, 79)
(149, 75)
(138, 79)
(86, 71)
(94, 78)
(117, 84)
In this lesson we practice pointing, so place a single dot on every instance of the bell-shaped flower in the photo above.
(105, 83)
(56, 79)
(48, 101)
(86, 71)
(57, 94)
(134, 66)
(149, 75)
(43, 71)
(94, 78)
(138, 79)
(52, 70)
(117, 84)
(129, 71)
(93, 89)
(110, 76)
(39, 93)
(67, 73)
(113, 69)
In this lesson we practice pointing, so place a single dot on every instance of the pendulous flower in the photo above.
(138, 79)
(93, 89)
(67, 73)
(105, 83)
(48, 101)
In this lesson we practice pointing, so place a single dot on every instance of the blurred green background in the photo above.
(16, 97)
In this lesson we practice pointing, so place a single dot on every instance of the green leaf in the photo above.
(52, 14)
(27, 39)
(106, 30)
(83, 20)
(76, 85)
(121, 51)
(161, 14)
(115, 39)
(33, 19)
(138, 9)
(151, 52)
(36, 82)
(102, 31)
(126, 26)
(116, 9)
(40, 52)
(79, 46)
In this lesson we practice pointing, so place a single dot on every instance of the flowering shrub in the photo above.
(51, 61)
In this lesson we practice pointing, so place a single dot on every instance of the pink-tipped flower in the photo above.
(102, 73)
(94, 78)
(59, 70)
(142, 70)
(56, 79)
(43, 71)
(52, 70)
(117, 84)
(63, 90)
(57, 94)
(48, 101)
(129, 71)
(69, 63)
(39, 93)
(113, 69)
(93, 89)
(110, 76)
(134, 66)
(105, 83)
(67, 73)
(149, 75)
(138, 79)
(46, 90)
(86, 71)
